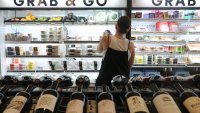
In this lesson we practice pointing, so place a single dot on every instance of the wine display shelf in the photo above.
(92, 93)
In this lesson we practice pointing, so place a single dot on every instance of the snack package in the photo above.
(173, 27)
(162, 26)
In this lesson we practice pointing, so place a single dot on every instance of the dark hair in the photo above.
(124, 23)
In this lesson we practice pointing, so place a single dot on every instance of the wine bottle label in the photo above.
(75, 106)
(164, 103)
(47, 101)
(136, 104)
(192, 104)
(106, 106)
(16, 105)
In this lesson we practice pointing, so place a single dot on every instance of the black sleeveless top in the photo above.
(114, 63)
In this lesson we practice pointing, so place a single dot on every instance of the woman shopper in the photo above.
(118, 53)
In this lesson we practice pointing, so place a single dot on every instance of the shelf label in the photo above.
(63, 4)
(164, 3)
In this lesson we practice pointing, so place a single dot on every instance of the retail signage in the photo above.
(63, 3)
(165, 3)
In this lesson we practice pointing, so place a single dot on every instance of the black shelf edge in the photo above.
(36, 56)
(81, 41)
(165, 8)
(52, 71)
(67, 56)
(36, 42)
(159, 66)
(36, 23)
(83, 56)
(65, 8)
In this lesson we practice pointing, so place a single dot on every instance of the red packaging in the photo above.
(173, 27)
(162, 26)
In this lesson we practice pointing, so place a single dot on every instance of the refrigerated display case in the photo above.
(165, 36)
(39, 41)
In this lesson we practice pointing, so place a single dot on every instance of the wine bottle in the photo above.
(105, 101)
(163, 102)
(189, 99)
(119, 81)
(83, 80)
(43, 81)
(48, 99)
(27, 80)
(3, 90)
(18, 103)
(9, 80)
(77, 101)
(136, 103)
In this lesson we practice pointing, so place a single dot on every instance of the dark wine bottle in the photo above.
(48, 99)
(3, 90)
(189, 99)
(163, 102)
(105, 101)
(77, 101)
(43, 81)
(9, 80)
(136, 103)
(27, 80)
(119, 81)
(18, 103)
(83, 80)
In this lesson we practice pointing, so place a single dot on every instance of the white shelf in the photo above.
(160, 19)
(156, 32)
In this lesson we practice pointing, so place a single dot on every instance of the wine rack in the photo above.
(92, 93)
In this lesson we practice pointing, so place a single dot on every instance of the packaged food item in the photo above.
(112, 16)
(162, 26)
(138, 15)
(173, 27)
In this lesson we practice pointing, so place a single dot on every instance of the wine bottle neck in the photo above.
(129, 88)
(29, 88)
(105, 88)
(154, 87)
(80, 88)
(4, 89)
(55, 84)
(178, 87)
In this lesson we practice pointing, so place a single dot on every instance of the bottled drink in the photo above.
(136, 103)
(18, 103)
(43, 81)
(9, 80)
(83, 80)
(27, 80)
(48, 99)
(105, 101)
(77, 101)
(189, 99)
(163, 102)
(119, 81)
(3, 90)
